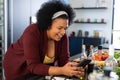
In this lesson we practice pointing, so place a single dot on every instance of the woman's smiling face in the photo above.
(57, 29)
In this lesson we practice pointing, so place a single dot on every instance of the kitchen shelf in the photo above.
(91, 22)
(91, 8)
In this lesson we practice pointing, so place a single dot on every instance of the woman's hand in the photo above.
(71, 69)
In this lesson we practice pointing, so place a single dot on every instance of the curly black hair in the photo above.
(45, 13)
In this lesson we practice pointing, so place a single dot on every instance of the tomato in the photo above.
(104, 57)
(97, 57)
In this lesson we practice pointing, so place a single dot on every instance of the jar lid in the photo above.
(100, 47)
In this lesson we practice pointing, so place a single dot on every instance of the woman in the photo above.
(43, 47)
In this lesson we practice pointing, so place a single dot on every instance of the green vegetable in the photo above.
(118, 71)
(117, 55)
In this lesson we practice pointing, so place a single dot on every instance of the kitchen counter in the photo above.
(56, 78)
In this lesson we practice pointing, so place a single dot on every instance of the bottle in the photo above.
(90, 52)
(98, 55)
(79, 33)
(90, 56)
(100, 50)
(107, 71)
(111, 61)
(83, 54)
(90, 68)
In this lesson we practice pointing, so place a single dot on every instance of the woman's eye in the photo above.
(62, 28)
(66, 28)
(59, 28)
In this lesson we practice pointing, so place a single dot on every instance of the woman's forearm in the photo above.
(55, 70)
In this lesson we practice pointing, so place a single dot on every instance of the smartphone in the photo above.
(84, 62)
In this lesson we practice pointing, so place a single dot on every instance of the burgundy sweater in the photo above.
(26, 55)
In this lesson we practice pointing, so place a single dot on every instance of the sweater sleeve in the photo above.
(32, 54)
(64, 54)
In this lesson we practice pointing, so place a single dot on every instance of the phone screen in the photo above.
(84, 62)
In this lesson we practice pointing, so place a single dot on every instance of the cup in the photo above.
(82, 20)
(86, 33)
(102, 20)
(95, 20)
(88, 20)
